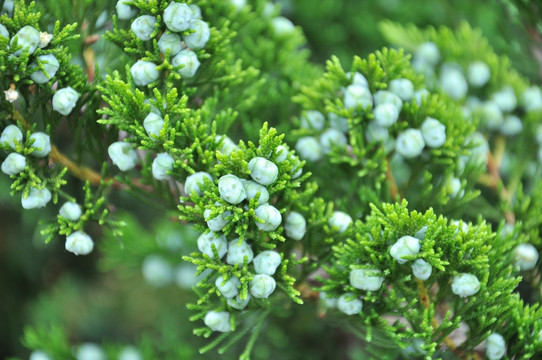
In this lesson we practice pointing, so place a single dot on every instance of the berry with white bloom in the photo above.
(263, 171)
(387, 97)
(491, 115)
(452, 82)
(386, 115)
(332, 138)
(90, 351)
(194, 181)
(157, 271)
(512, 125)
(338, 122)
(262, 286)
(228, 288)
(122, 155)
(405, 246)
(329, 302)
(207, 240)
(28, 38)
(50, 66)
(532, 99)
(356, 96)
(358, 79)
(282, 26)
(295, 225)
(190, 63)
(153, 124)
(420, 234)
(79, 243)
(143, 27)
(39, 355)
(238, 4)
(228, 146)
(428, 53)
(420, 95)
(433, 132)
(171, 42)
(421, 269)
(505, 99)
(64, 100)
(478, 74)
(196, 11)
(376, 133)
(231, 189)
(130, 353)
(410, 143)
(270, 215)
(162, 164)
(13, 164)
(267, 262)
(177, 17)
(37, 198)
(237, 251)
(349, 305)
(366, 279)
(238, 303)
(495, 346)
(465, 284)
(125, 12)
(526, 256)
(252, 188)
(8, 7)
(218, 321)
(313, 119)
(309, 148)
(340, 221)
(461, 225)
(402, 88)
(144, 72)
(217, 223)
(414, 349)
(283, 152)
(4, 31)
(199, 37)
(41, 144)
(70, 210)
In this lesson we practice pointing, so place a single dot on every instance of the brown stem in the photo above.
(494, 161)
(394, 190)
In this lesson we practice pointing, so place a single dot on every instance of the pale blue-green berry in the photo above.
(512, 125)
(421, 269)
(39, 355)
(478, 147)
(295, 225)
(13, 164)
(386, 115)
(452, 82)
(252, 188)
(231, 189)
(410, 143)
(402, 88)
(387, 97)
(41, 144)
(177, 16)
(313, 119)
(309, 148)
(238, 4)
(331, 138)
(153, 124)
(263, 171)
(185, 276)
(237, 251)
(433, 132)
(28, 38)
(526, 256)
(478, 74)
(228, 288)
(465, 284)
(270, 215)
(200, 35)
(125, 12)
(453, 187)
(130, 353)
(64, 100)
(366, 279)
(37, 198)
(428, 52)
(376, 133)
(356, 96)
(505, 99)
(79, 243)
(50, 66)
(218, 321)
(70, 211)
(8, 7)
(283, 153)
(102, 19)
(420, 95)
(238, 303)
(340, 221)
(228, 146)
(194, 181)
(338, 122)
(282, 26)
(143, 27)
(171, 42)
(461, 225)
(144, 72)
(196, 11)
(207, 240)
(531, 99)
(218, 222)
(357, 78)
(329, 302)
(349, 305)
(90, 351)
(495, 346)
(4, 31)
(269, 10)
(414, 349)
(162, 164)
(267, 262)
(157, 271)
(190, 63)
(123, 155)
(405, 246)
(262, 286)
(420, 234)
